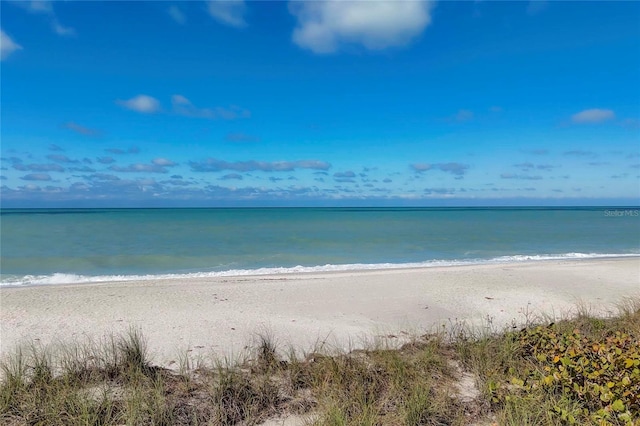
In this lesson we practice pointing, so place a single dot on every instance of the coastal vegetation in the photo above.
(581, 370)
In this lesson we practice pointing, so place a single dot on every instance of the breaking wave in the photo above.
(65, 278)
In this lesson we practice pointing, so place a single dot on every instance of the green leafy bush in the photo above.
(601, 377)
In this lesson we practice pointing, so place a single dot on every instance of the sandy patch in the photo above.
(222, 316)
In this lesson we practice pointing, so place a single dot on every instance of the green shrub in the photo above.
(600, 377)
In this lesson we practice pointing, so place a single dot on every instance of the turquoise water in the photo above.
(78, 245)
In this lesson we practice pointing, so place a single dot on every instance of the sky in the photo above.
(276, 103)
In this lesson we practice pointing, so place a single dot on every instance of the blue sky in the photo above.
(320, 103)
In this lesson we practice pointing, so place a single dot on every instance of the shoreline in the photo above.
(221, 315)
(318, 269)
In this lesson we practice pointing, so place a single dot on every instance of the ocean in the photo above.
(55, 246)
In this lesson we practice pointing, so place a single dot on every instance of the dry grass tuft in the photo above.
(453, 377)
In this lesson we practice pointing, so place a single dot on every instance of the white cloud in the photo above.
(594, 115)
(456, 169)
(519, 177)
(60, 29)
(324, 25)
(37, 176)
(141, 103)
(215, 165)
(164, 162)
(240, 137)
(139, 168)
(631, 123)
(183, 106)
(7, 45)
(37, 6)
(81, 129)
(177, 15)
(464, 115)
(180, 100)
(46, 8)
(228, 12)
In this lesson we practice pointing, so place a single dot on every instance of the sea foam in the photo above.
(63, 278)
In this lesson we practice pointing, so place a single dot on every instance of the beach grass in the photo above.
(580, 370)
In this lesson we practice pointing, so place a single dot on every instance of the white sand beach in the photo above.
(220, 316)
